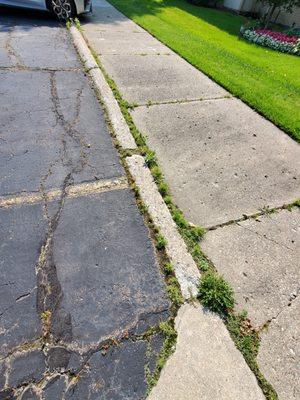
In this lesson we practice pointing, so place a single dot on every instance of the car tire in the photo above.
(63, 9)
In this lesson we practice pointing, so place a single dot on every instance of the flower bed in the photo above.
(274, 40)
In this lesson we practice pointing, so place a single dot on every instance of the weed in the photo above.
(180, 220)
(296, 203)
(163, 188)
(266, 210)
(247, 340)
(46, 322)
(174, 292)
(156, 173)
(150, 158)
(160, 242)
(168, 268)
(215, 293)
(170, 336)
(77, 24)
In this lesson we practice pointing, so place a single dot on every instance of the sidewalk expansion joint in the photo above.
(180, 101)
(72, 191)
(263, 212)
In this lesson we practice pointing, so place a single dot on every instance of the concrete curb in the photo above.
(117, 120)
(185, 268)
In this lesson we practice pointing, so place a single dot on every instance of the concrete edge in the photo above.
(117, 120)
(185, 267)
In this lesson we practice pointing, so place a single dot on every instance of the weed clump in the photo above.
(160, 242)
(174, 292)
(215, 293)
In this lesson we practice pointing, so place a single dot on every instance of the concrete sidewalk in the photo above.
(80, 283)
(222, 161)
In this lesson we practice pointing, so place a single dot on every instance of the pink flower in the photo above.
(281, 37)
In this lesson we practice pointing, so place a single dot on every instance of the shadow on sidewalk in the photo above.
(223, 20)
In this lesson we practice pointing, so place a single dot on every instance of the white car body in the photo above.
(82, 6)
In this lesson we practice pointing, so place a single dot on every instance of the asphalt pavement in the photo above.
(80, 284)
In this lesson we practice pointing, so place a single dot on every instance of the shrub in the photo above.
(215, 293)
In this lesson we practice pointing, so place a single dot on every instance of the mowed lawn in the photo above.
(267, 80)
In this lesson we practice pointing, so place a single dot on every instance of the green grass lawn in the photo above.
(267, 80)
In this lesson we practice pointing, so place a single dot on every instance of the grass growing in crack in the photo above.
(215, 293)
(247, 341)
(174, 291)
(168, 268)
(170, 336)
(160, 242)
(296, 203)
(46, 323)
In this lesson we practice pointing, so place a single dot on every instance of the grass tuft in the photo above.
(215, 293)
(168, 268)
(160, 242)
(150, 158)
(247, 340)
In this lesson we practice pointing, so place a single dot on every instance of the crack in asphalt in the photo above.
(37, 69)
(49, 292)
(69, 129)
(12, 54)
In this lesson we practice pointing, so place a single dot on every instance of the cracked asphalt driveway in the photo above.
(78, 272)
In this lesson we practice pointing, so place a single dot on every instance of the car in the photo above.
(63, 9)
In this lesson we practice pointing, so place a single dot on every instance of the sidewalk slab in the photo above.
(106, 17)
(158, 78)
(217, 158)
(279, 352)
(133, 42)
(206, 364)
(260, 258)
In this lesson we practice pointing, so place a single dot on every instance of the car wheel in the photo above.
(63, 9)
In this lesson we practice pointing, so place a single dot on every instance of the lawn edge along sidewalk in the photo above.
(185, 268)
